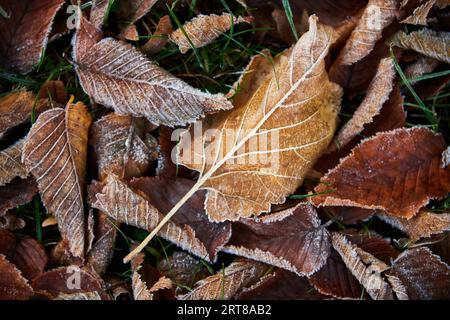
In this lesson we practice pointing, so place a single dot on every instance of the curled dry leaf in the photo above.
(118, 76)
(55, 153)
(365, 267)
(428, 42)
(419, 16)
(392, 171)
(291, 239)
(377, 15)
(13, 286)
(423, 225)
(16, 108)
(25, 33)
(203, 29)
(227, 282)
(423, 274)
(377, 94)
(11, 165)
(67, 280)
(121, 148)
(156, 44)
(17, 193)
(189, 230)
(290, 111)
(280, 285)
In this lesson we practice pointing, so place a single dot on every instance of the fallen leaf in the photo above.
(133, 10)
(419, 16)
(117, 75)
(17, 193)
(423, 274)
(11, 222)
(445, 158)
(11, 165)
(291, 239)
(79, 295)
(422, 66)
(428, 42)
(204, 29)
(86, 36)
(25, 33)
(423, 225)
(160, 37)
(392, 171)
(377, 15)
(54, 91)
(55, 153)
(227, 282)
(99, 11)
(13, 286)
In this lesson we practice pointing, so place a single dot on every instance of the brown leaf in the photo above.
(16, 108)
(133, 10)
(86, 36)
(423, 274)
(11, 222)
(423, 225)
(190, 230)
(419, 16)
(428, 42)
(119, 143)
(377, 94)
(365, 267)
(11, 165)
(445, 158)
(291, 239)
(55, 153)
(25, 33)
(156, 44)
(280, 285)
(287, 105)
(420, 67)
(204, 29)
(17, 193)
(78, 296)
(227, 282)
(376, 17)
(99, 11)
(118, 76)
(53, 90)
(393, 171)
(67, 280)
(13, 286)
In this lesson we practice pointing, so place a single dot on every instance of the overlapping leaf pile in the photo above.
(351, 203)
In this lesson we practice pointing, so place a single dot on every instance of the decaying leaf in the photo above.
(11, 165)
(291, 239)
(86, 36)
(119, 76)
(13, 286)
(55, 153)
(24, 34)
(423, 225)
(142, 208)
(16, 108)
(120, 145)
(365, 267)
(17, 193)
(423, 274)
(428, 42)
(227, 282)
(280, 285)
(290, 112)
(377, 94)
(99, 12)
(377, 15)
(394, 171)
(156, 44)
(203, 29)
(419, 16)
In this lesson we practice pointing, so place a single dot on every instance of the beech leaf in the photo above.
(11, 163)
(419, 16)
(18, 192)
(13, 286)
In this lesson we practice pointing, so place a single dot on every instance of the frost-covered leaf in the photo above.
(423, 274)
(430, 43)
(423, 225)
(55, 153)
(24, 35)
(132, 10)
(290, 111)
(377, 15)
(11, 165)
(13, 286)
(226, 283)
(118, 76)
(99, 11)
(394, 171)
(420, 67)
(419, 16)
(156, 44)
(16, 193)
(291, 239)
(86, 36)
(204, 29)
